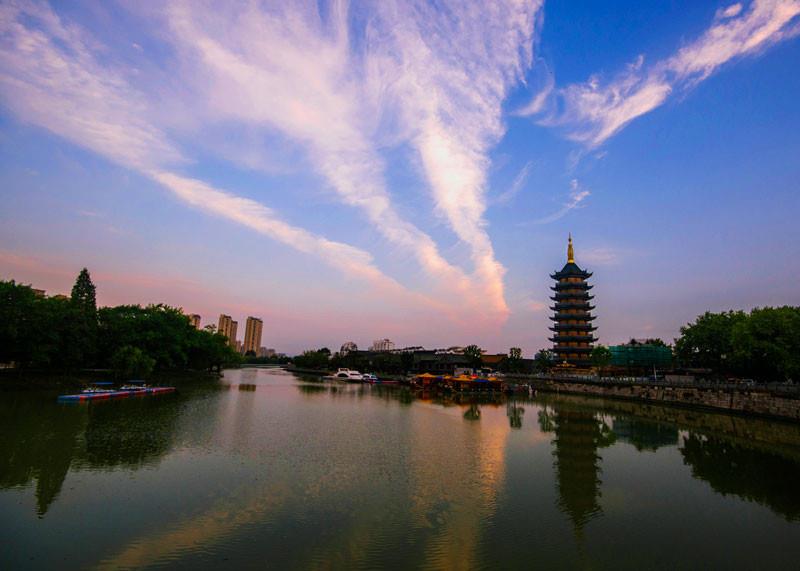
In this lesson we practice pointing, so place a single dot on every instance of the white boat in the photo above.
(348, 375)
(369, 378)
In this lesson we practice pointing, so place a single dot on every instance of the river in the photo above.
(267, 470)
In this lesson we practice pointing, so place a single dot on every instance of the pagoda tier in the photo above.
(560, 286)
(571, 270)
(572, 304)
(584, 316)
(572, 327)
(569, 295)
(572, 331)
(561, 343)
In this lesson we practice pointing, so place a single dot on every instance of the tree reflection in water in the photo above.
(644, 434)
(37, 442)
(514, 413)
(41, 441)
(769, 479)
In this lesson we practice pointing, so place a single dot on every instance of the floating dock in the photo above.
(116, 394)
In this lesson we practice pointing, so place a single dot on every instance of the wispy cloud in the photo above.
(292, 70)
(339, 82)
(593, 111)
(535, 306)
(516, 186)
(454, 64)
(601, 256)
(577, 195)
(51, 79)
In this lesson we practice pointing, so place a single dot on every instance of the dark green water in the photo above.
(268, 470)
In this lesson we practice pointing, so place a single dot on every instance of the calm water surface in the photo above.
(269, 470)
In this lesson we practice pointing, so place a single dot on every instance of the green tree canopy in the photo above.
(544, 360)
(764, 344)
(84, 293)
(601, 356)
(473, 353)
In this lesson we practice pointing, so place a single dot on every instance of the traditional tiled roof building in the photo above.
(572, 338)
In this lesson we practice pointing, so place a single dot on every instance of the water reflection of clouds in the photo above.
(354, 472)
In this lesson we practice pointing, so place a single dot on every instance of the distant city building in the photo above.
(266, 353)
(234, 329)
(572, 338)
(228, 327)
(348, 347)
(194, 320)
(237, 346)
(38, 292)
(252, 334)
(382, 345)
(455, 350)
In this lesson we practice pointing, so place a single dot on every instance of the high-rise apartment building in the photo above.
(252, 335)
(234, 330)
(194, 320)
(228, 327)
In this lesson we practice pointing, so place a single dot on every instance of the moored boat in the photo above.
(348, 375)
(94, 393)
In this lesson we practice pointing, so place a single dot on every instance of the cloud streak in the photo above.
(50, 78)
(453, 65)
(576, 196)
(431, 78)
(594, 111)
(516, 186)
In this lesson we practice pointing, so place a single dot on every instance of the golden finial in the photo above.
(570, 251)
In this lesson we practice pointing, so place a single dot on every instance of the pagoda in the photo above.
(572, 338)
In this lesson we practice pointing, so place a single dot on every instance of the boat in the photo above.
(98, 391)
(348, 375)
(369, 378)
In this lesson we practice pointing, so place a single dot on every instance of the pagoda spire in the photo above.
(570, 251)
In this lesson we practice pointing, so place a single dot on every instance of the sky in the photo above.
(410, 170)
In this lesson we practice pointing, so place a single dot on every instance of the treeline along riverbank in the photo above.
(53, 340)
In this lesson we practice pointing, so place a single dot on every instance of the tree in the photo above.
(544, 360)
(83, 293)
(407, 361)
(17, 323)
(317, 360)
(601, 357)
(708, 341)
(473, 353)
(766, 345)
(131, 363)
(83, 298)
(513, 363)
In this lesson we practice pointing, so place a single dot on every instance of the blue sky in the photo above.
(406, 170)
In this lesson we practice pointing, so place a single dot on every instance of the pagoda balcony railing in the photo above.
(578, 295)
(572, 339)
(578, 285)
(572, 305)
(575, 316)
(573, 327)
(581, 350)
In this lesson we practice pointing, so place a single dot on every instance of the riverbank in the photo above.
(15, 380)
(754, 401)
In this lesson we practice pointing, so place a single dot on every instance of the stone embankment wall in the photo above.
(739, 400)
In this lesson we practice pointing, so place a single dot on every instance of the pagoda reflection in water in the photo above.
(578, 436)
